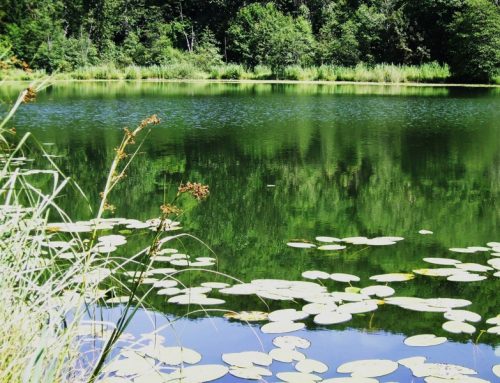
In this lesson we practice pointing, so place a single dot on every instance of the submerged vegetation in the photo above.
(366, 40)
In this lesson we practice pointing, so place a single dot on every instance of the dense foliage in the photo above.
(67, 34)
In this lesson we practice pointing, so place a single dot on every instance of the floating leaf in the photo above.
(247, 358)
(441, 370)
(251, 373)
(315, 274)
(412, 361)
(287, 315)
(494, 330)
(200, 373)
(291, 342)
(171, 355)
(494, 320)
(169, 291)
(350, 379)
(286, 355)
(247, 316)
(380, 241)
(215, 285)
(355, 240)
(462, 250)
(442, 261)
(340, 277)
(424, 340)
(333, 317)
(310, 365)
(392, 277)
(329, 239)
(457, 327)
(473, 267)
(466, 277)
(331, 247)
(378, 290)
(425, 232)
(462, 316)
(358, 307)
(301, 245)
(495, 262)
(318, 308)
(457, 378)
(368, 368)
(298, 377)
(496, 370)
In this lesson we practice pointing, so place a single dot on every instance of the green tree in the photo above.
(475, 41)
(261, 34)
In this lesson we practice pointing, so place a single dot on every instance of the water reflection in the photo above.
(344, 161)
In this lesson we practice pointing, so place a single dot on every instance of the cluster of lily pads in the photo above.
(458, 271)
(149, 362)
(332, 243)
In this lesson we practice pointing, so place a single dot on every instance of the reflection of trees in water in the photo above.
(384, 175)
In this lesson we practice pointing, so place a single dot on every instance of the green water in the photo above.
(287, 162)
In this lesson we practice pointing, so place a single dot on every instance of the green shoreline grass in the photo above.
(284, 82)
(431, 73)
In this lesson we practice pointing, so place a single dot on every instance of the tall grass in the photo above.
(44, 299)
(383, 73)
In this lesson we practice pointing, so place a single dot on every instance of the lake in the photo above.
(289, 163)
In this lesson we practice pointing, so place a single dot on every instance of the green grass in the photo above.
(382, 73)
(44, 298)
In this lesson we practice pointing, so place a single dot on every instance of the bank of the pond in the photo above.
(263, 82)
(430, 73)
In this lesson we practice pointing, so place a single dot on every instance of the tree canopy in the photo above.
(65, 34)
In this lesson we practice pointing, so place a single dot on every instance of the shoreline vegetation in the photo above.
(432, 74)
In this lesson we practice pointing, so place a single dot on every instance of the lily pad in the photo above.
(287, 315)
(247, 316)
(281, 327)
(329, 239)
(462, 316)
(341, 277)
(378, 290)
(424, 340)
(466, 277)
(331, 247)
(333, 317)
(457, 327)
(425, 232)
(315, 274)
(441, 370)
(473, 267)
(200, 373)
(350, 379)
(298, 377)
(318, 308)
(496, 370)
(392, 277)
(310, 365)
(301, 245)
(291, 342)
(442, 261)
(368, 368)
(358, 307)
(286, 355)
(247, 358)
(251, 373)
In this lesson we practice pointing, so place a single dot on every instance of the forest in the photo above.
(63, 35)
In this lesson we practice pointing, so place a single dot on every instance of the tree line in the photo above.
(67, 34)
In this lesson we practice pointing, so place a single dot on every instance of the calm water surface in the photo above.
(288, 162)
